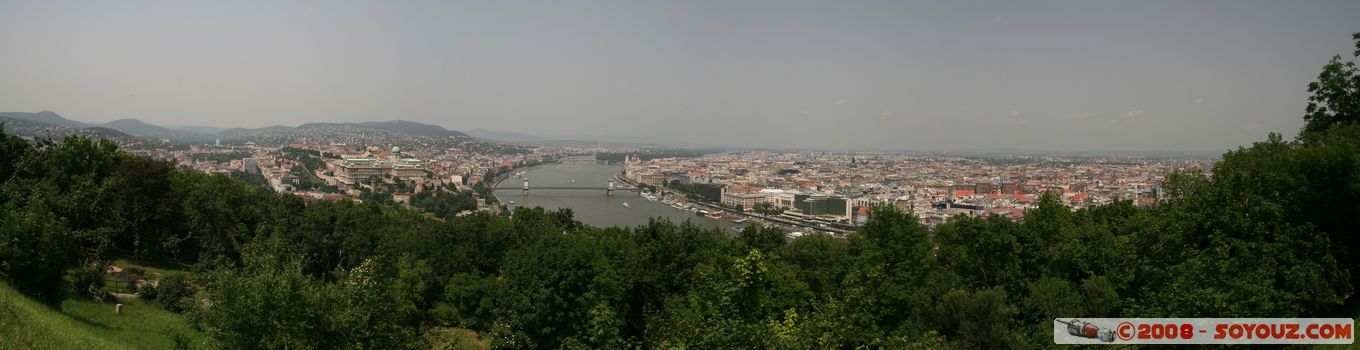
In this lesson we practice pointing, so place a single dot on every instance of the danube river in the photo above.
(592, 206)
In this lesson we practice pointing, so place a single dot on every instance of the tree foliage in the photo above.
(1335, 99)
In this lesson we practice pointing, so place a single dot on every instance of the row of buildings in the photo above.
(841, 186)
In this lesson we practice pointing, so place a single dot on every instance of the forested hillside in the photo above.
(1271, 233)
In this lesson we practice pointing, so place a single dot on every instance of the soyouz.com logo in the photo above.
(1204, 331)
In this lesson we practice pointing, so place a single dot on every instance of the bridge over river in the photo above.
(608, 188)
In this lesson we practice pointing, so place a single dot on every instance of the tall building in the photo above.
(250, 166)
(352, 171)
(745, 199)
(711, 192)
(819, 205)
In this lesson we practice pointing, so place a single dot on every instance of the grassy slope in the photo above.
(28, 324)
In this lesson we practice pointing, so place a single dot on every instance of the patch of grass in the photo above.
(77, 324)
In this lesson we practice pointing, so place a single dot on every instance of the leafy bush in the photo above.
(178, 341)
(146, 290)
(89, 281)
(173, 292)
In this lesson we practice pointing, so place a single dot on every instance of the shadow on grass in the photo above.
(56, 309)
(89, 322)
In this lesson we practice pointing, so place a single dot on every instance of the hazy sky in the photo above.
(1074, 75)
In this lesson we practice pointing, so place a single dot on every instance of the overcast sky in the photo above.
(1070, 75)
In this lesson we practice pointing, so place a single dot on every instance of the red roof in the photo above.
(963, 193)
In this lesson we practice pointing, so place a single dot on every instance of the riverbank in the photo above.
(763, 220)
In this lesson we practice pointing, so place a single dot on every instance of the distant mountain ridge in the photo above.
(504, 135)
(32, 128)
(400, 126)
(139, 128)
(142, 129)
(517, 137)
(197, 129)
(106, 132)
(47, 117)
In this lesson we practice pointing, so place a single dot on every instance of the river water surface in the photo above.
(592, 206)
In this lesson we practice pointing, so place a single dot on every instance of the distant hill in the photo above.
(401, 126)
(232, 133)
(197, 129)
(124, 127)
(100, 131)
(139, 128)
(26, 127)
(15, 122)
(46, 117)
(510, 136)
(503, 135)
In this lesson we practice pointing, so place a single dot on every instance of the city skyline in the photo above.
(1204, 76)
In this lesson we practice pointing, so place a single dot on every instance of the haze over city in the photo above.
(1171, 75)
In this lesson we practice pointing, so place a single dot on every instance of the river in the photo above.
(592, 206)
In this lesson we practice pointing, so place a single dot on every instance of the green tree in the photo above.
(269, 303)
(468, 301)
(820, 261)
(983, 251)
(12, 149)
(36, 248)
(977, 319)
(410, 291)
(143, 195)
(730, 306)
(1335, 96)
(766, 239)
